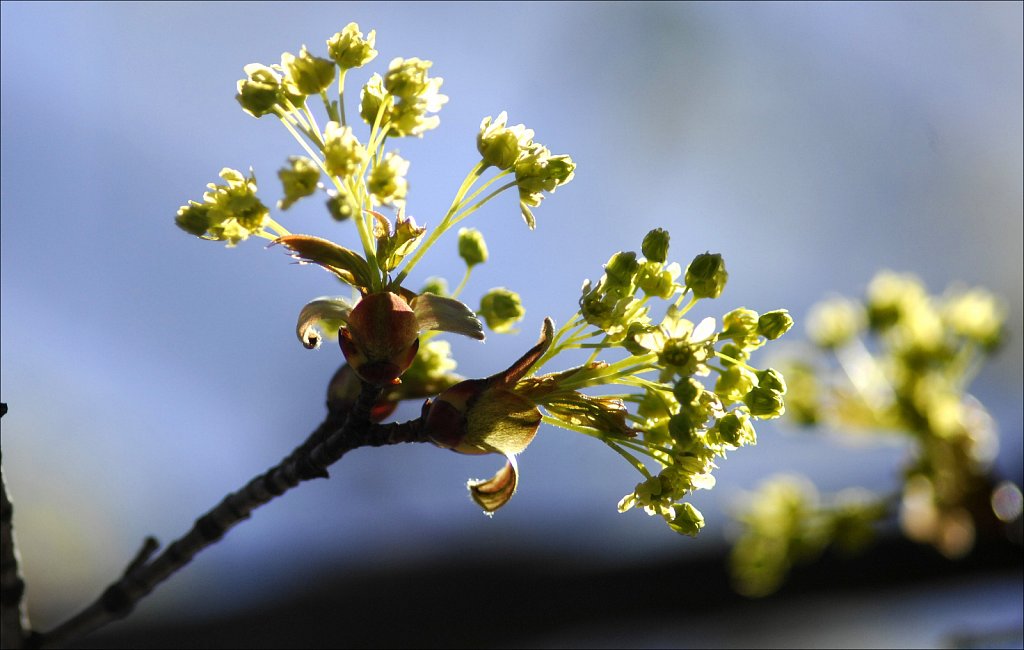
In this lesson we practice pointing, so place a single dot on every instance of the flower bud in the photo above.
(740, 325)
(772, 379)
(306, 74)
(621, 268)
(408, 78)
(371, 98)
(501, 309)
(655, 246)
(472, 248)
(230, 212)
(260, 91)
(765, 403)
(688, 391)
(774, 324)
(343, 153)
(684, 430)
(435, 285)
(654, 281)
(733, 384)
(382, 337)
(339, 205)
(502, 146)
(734, 429)
(706, 276)
(349, 49)
(686, 519)
(633, 330)
(194, 218)
(537, 171)
(735, 354)
(299, 180)
(387, 183)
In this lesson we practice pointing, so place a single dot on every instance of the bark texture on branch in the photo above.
(339, 433)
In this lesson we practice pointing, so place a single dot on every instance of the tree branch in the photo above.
(339, 433)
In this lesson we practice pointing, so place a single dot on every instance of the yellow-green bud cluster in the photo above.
(501, 146)
(435, 285)
(706, 276)
(472, 247)
(655, 245)
(229, 212)
(306, 74)
(387, 183)
(349, 49)
(260, 92)
(681, 422)
(407, 95)
(501, 309)
(299, 180)
(343, 153)
(538, 171)
(340, 205)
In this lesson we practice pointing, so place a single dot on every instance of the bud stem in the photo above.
(462, 283)
(467, 182)
(341, 96)
(476, 206)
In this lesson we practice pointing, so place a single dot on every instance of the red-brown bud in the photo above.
(382, 337)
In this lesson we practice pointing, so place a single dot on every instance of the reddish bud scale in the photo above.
(381, 339)
(445, 418)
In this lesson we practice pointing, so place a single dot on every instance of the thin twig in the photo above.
(325, 446)
(14, 621)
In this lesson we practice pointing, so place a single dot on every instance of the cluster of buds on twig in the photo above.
(663, 415)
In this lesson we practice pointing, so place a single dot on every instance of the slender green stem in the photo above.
(319, 139)
(369, 248)
(689, 305)
(462, 283)
(294, 112)
(479, 204)
(377, 134)
(467, 182)
(277, 228)
(341, 95)
(332, 112)
(264, 235)
(645, 448)
(487, 184)
(593, 433)
(633, 460)
(305, 145)
(379, 153)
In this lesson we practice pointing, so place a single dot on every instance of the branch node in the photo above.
(149, 546)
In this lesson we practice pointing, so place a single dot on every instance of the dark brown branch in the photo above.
(13, 614)
(337, 435)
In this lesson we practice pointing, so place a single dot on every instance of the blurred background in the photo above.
(148, 372)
